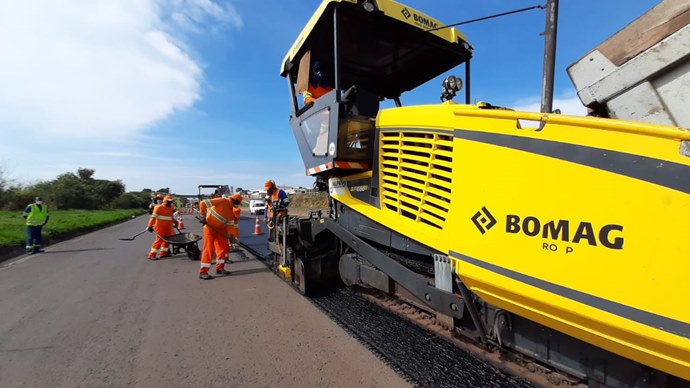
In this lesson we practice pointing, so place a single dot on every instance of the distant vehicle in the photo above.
(257, 206)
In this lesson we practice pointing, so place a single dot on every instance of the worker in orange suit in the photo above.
(318, 86)
(274, 195)
(162, 222)
(219, 226)
(237, 212)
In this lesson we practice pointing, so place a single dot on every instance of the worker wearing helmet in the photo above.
(155, 200)
(318, 85)
(237, 212)
(219, 225)
(162, 222)
(274, 196)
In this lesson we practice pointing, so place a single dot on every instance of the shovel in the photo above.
(135, 236)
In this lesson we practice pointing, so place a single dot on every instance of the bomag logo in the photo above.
(554, 231)
(483, 220)
(419, 19)
(561, 230)
(424, 21)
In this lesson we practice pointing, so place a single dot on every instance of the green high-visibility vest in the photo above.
(37, 216)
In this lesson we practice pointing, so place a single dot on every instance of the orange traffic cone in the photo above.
(180, 224)
(257, 227)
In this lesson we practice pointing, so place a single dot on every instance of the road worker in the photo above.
(274, 195)
(318, 85)
(237, 212)
(162, 222)
(36, 216)
(156, 200)
(219, 224)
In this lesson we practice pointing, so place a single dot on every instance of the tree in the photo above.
(85, 174)
(106, 191)
(71, 193)
(81, 190)
(10, 193)
(3, 180)
(238, 190)
(165, 190)
(131, 200)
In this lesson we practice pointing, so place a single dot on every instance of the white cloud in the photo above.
(83, 69)
(82, 81)
(191, 15)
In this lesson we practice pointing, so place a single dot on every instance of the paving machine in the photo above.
(553, 237)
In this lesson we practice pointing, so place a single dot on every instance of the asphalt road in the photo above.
(94, 312)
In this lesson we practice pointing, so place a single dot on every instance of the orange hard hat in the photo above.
(159, 195)
(168, 198)
(236, 197)
(268, 185)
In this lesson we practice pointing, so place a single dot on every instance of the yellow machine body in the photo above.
(579, 224)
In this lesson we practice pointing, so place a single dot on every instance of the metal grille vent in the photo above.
(416, 173)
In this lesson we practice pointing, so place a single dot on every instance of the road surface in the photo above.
(94, 312)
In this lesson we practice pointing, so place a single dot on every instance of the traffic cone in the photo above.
(257, 227)
(180, 224)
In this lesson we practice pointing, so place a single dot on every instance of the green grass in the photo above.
(62, 223)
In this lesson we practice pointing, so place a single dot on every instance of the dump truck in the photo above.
(641, 73)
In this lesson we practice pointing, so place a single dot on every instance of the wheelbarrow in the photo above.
(187, 242)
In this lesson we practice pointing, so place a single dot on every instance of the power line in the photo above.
(489, 17)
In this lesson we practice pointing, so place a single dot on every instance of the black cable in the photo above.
(489, 17)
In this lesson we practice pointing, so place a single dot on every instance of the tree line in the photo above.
(71, 190)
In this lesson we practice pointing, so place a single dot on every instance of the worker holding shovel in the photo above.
(162, 222)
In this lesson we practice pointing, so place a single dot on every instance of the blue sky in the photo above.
(177, 93)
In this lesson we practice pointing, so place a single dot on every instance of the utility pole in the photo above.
(549, 56)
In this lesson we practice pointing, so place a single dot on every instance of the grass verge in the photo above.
(63, 224)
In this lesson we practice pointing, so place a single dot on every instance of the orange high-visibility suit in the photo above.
(162, 222)
(275, 194)
(314, 92)
(220, 224)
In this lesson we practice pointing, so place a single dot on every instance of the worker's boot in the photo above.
(205, 276)
(151, 257)
(222, 272)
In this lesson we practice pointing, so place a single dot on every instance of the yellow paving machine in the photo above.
(556, 237)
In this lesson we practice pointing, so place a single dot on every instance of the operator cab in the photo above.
(368, 51)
